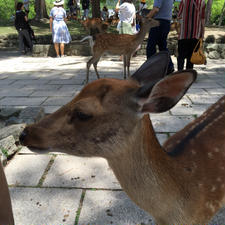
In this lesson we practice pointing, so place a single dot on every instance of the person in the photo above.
(104, 13)
(26, 6)
(127, 16)
(72, 7)
(78, 8)
(85, 7)
(22, 26)
(192, 21)
(162, 11)
(142, 5)
(60, 32)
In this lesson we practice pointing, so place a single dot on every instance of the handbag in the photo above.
(198, 57)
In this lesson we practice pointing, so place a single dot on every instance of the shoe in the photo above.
(62, 56)
(57, 56)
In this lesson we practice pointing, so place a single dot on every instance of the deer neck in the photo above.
(141, 34)
(142, 168)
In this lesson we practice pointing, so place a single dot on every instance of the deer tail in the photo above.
(90, 38)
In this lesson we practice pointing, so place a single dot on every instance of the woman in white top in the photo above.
(127, 15)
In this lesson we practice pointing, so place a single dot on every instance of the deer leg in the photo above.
(95, 67)
(124, 66)
(128, 64)
(94, 60)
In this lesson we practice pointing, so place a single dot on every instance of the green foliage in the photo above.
(216, 12)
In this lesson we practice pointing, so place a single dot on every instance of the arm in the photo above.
(153, 12)
(50, 23)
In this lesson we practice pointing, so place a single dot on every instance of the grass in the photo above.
(42, 28)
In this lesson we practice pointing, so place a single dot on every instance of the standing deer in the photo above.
(182, 182)
(118, 44)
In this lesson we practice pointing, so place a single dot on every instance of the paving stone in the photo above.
(32, 82)
(204, 99)
(70, 87)
(52, 93)
(206, 85)
(26, 169)
(43, 87)
(55, 101)
(23, 101)
(6, 82)
(217, 91)
(111, 208)
(68, 171)
(186, 109)
(170, 123)
(51, 109)
(162, 138)
(65, 81)
(8, 112)
(41, 206)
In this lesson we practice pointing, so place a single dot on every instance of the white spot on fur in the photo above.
(210, 155)
(216, 150)
(218, 179)
(193, 152)
(213, 188)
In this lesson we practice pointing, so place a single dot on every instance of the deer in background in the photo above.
(118, 44)
(181, 182)
(95, 25)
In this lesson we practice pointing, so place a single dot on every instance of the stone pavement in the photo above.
(57, 189)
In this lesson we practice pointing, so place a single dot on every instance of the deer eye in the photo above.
(78, 115)
(82, 116)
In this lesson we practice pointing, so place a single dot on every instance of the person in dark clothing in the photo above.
(22, 26)
(85, 7)
(162, 11)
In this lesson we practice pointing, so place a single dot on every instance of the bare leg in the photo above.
(62, 48)
(56, 45)
(6, 215)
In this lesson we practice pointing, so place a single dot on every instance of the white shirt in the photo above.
(127, 12)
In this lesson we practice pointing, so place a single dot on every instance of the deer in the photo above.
(117, 44)
(181, 182)
(95, 25)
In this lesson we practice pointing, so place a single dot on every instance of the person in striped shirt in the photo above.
(192, 22)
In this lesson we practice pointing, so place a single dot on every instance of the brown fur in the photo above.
(185, 189)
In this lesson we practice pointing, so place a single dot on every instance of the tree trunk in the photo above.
(40, 9)
(96, 9)
(222, 15)
(208, 11)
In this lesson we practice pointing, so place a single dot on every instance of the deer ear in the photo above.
(152, 70)
(165, 93)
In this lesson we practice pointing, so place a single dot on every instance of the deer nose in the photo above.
(22, 137)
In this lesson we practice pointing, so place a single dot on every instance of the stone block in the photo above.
(13, 130)
(7, 146)
(111, 208)
(26, 170)
(44, 206)
(5, 113)
(55, 101)
(31, 114)
(74, 171)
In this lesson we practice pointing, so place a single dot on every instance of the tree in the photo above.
(208, 11)
(222, 15)
(40, 9)
(96, 13)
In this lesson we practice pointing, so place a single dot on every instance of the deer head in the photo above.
(99, 120)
